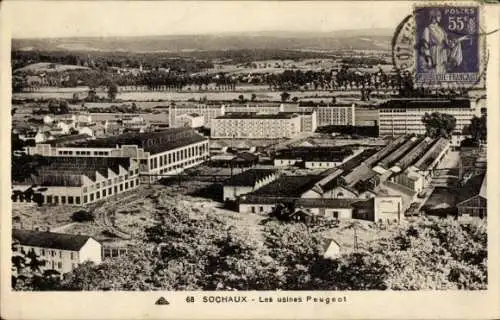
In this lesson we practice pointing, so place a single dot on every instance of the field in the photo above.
(136, 210)
(49, 67)
(31, 216)
(262, 92)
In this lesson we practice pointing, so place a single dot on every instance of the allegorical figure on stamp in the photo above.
(440, 52)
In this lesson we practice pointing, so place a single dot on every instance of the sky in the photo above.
(43, 19)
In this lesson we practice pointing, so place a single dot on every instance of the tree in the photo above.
(241, 98)
(295, 99)
(112, 91)
(284, 96)
(82, 216)
(439, 124)
(477, 129)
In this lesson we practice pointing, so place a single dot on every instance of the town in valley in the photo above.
(318, 166)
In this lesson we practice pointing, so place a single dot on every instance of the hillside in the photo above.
(364, 39)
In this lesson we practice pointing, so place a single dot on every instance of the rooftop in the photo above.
(288, 186)
(393, 145)
(389, 161)
(250, 177)
(61, 141)
(52, 240)
(414, 153)
(325, 203)
(473, 187)
(253, 115)
(67, 171)
(431, 154)
(153, 142)
(336, 154)
(403, 103)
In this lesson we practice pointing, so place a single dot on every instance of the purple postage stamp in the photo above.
(447, 44)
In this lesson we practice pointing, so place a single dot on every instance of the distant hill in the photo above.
(363, 39)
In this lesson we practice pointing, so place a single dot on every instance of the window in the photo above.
(70, 200)
(104, 192)
(53, 253)
(261, 209)
(110, 191)
(91, 197)
(126, 185)
(59, 265)
(53, 264)
(60, 254)
(253, 209)
(115, 188)
(71, 256)
(49, 199)
(97, 195)
(77, 200)
(132, 184)
(43, 252)
(63, 199)
(85, 199)
(85, 189)
(121, 186)
(336, 214)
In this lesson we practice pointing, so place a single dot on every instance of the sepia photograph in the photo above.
(248, 146)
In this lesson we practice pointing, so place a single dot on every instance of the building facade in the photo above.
(404, 116)
(256, 126)
(82, 180)
(159, 153)
(61, 252)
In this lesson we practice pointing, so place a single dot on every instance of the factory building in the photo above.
(404, 116)
(256, 126)
(80, 180)
(163, 152)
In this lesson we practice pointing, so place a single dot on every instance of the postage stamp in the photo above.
(447, 44)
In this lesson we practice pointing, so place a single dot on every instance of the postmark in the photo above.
(441, 46)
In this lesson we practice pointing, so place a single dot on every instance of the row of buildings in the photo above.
(368, 183)
(394, 117)
(82, 171)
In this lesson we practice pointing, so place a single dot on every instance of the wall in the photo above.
(286, 162)
(321, 164)
(388, 208)
(231, 192)
(91, 251)
(63, 260)
(247, 208)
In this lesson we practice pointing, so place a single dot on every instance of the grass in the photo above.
(32, 216)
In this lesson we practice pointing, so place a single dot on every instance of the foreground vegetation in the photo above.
(184, 252)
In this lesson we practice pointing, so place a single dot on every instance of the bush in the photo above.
(82, 216)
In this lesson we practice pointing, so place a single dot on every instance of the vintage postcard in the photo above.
(246, 159)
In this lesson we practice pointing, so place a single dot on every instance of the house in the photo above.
(332, 249)
(62, 252)
(472, 198)
(247, 181)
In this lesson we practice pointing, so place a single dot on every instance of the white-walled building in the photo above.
(191, 120)
(162, 152)
(82, 180)
(256, 126)
(404, 116)
(61, 252)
